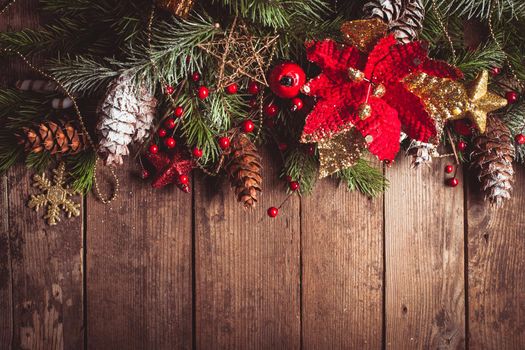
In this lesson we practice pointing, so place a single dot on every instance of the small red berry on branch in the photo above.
(248, 126)
(273, 212)
(179, 111)
(271, 110)
(170, 90)
(224, 143)
(462, 145)
(145, 174)
(449, 169)
(253, 88)
(297, 104)
(294, 185)
(452, 182)
(196, 76)
(232, 89)
(520, 139)
(184, 179)
(162, 132)
(170, 123)
(512, 97)
(170, 142)
(153, 149)
(203, 92)
(197, 152)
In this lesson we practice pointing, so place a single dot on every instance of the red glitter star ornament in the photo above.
(367, 92)
(169, 168)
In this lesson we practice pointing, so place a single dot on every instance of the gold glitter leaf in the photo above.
(340, 151)
(364, 33)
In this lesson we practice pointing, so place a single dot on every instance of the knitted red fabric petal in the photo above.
(416, 121)
(441, 69)
(320, 86)
(381, 130)
(333, 58)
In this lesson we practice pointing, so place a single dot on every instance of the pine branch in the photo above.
(82, 170)
(482, 8)
(365, 178)
(301, 167)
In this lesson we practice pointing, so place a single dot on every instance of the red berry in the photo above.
(184, 179)
(462, 145)
(248, 126)
(512, 97)
(283, 147)
(170, 123)
(496, 71)
(520, 139)
(294, 185)
(288, 178)
(253, 103)
(271, 110)
(232, 89)
(144, 174)
(452, 182)
(195, 76)
(224, 143)
(153, 149)
(170, 89)
(203, 92)
(162, 132)
(170, 142)
(297, 104)
(449, 169)
(253, 88)
(179, 111)
(197, 152)
(273, 212)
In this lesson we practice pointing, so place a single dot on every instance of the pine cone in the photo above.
(55, 137)
(404, 17)
(125, 116)
(244, 169)
(492, 157)
(421, 153)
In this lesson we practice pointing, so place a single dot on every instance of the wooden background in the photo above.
(423, 267)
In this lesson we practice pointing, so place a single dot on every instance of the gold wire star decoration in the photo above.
(54, 196)
(241, 54)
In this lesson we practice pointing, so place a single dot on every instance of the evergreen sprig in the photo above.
(365, 178)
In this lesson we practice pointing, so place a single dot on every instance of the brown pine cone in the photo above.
(55, 137)
(492, 157)
(244, 170)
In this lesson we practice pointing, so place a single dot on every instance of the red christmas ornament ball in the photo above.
(153, 149)
(197, 152)
(297, 104)
(184, 179)
(253, 88)
(170, 123)
(179, 111)
(162, 132)
(512, 97)
(224, 143)
(294, 185)
(449, 169)
(287, 79)
(196, 76)
(203, 92)
(271, 110)
(232, 89)
(452, 182)
(462, 145)
(273, 212)
(248, 126)
(520, 139)
(170, 89)
(145, 174)
(170, 142)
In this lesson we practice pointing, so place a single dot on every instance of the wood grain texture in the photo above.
(424, 250)
(342, 248)
(247, 269)
(47, 273)
(496, 270)
(6, 287)
(139, 267)
(46, 268)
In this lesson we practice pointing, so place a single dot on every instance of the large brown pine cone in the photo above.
(244, 170)
(55, 137)
(492, 157)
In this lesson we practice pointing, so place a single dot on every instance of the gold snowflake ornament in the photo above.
(54, 195)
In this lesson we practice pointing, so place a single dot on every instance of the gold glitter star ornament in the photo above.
(54, 196)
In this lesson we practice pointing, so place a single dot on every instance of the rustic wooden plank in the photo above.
(424, 252)
(6, 302)
(46, 266)
(342, 249)
(247, 268)
(139, 269)
(496, 270)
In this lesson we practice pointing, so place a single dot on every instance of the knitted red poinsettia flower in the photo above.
(171, 168)
(340, 97)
